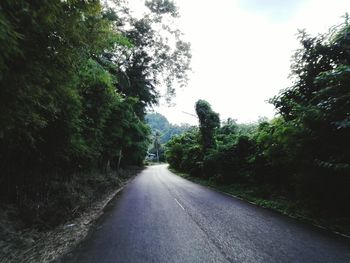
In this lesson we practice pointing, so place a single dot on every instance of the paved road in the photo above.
(160, 217)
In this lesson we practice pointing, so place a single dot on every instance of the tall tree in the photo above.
(156, 144)
(317, 105)
(208, 122)
(158, 57)
(318, 102)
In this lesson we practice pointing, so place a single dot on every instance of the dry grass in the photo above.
(20, 244)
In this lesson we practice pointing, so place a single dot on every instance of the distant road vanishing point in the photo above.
(160, 217)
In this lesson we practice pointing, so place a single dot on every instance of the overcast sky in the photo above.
(241, 52)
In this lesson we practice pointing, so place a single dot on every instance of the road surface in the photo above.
(160, 217)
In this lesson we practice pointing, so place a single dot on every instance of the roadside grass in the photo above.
(255, 195)
(66, 199)
(40, 230)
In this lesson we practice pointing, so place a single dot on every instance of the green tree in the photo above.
(208, 122)
(156, 144)
(40, 103)
(318, 105)
(184, 152)
(158, 55)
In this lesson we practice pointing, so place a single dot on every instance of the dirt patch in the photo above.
(31, 245)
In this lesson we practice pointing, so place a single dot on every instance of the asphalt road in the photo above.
(160, 217)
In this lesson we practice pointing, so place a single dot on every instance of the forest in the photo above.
(301, 157)
(76, 80)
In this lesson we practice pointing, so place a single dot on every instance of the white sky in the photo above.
(241, 52)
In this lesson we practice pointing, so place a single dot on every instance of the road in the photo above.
(160, 217)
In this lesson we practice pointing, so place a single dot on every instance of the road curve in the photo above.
(160, 217)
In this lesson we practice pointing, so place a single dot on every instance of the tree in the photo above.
(318, 102)
(76, 79)
(318, 105)
(184, 152)
(208, 122)
(156, 144)
(158, 57)
(51, 42)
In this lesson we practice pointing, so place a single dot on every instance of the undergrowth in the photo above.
(258, 195)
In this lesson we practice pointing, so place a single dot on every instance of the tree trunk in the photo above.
(119, 159)
(108, 166)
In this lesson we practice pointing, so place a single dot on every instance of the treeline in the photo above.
(159, 123)
(76, 78)
(162, 131)
(303, 155)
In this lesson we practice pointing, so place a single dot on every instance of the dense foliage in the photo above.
(208, 122)
(304, 153)
(76, 78)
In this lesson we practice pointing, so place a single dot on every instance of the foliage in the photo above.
(208, 122)
(184, 153)
(76, 78)
(158, 55)
(318, 104)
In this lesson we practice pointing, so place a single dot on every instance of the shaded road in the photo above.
(160, 217)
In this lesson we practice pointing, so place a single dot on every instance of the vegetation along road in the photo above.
(161, 217)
